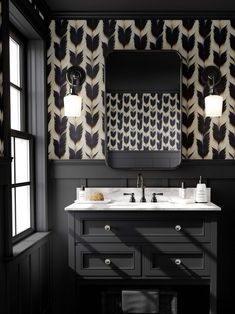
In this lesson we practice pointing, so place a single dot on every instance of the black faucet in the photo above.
(140, 181)
(140, 184)
(132, 198)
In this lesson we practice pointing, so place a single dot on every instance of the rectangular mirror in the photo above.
(143, 109)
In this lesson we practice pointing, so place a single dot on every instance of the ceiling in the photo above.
(93, 6)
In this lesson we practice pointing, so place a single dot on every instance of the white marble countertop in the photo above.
(160, 206)
(169, 201)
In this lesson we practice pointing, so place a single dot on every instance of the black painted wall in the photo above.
(65, 176)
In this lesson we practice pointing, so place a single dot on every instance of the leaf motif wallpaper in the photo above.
(85, 42)
(1, 87)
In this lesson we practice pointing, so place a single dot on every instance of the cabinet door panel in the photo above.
(108, 260)
(178, 260)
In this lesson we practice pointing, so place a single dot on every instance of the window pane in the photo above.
(22, 160)
(14, 62)
(13, 163)
(15, 109)
(13, 213)
(22, 208)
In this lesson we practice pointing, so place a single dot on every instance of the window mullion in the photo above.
(20, 89)
(15, 185)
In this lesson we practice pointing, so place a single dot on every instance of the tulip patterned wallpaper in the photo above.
(85, 42)
(1, 88)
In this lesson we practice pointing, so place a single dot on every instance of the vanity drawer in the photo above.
(117, 260)
(109, 229)
(176, 260)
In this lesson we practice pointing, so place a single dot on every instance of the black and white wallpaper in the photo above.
(143, 121)
(85, 42)
(1, 87)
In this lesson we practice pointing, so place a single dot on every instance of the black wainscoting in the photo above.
(28, 277)
(65, 176)
(25, 276)
(2, 237)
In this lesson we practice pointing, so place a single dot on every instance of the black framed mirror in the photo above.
(143, 109)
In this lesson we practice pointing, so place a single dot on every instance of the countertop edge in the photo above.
(109, 208)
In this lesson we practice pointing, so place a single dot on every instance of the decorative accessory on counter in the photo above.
(201, 192)
(182, 191)
(75, 76)
(97, 196)
(211, 76)
(81, 193)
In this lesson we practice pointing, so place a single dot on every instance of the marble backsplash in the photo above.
(169, 194)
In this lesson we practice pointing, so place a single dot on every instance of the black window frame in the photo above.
(22, 41)
(23, 133)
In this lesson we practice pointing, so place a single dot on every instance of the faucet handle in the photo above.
(154, 199)
(132, 198)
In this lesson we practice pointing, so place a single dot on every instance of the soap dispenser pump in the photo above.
(81, 193)
(201, 192)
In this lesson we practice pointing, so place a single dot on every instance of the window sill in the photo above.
(34, 240)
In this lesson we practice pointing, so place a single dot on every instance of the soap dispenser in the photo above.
(81, 193)
(201, 192)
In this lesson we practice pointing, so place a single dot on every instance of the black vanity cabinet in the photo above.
(175, 247)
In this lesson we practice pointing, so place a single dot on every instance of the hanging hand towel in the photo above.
(140, 301)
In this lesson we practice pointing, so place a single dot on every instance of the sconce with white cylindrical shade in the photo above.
(75, 76)
(211, 77)
(213, 105)
(72, 105)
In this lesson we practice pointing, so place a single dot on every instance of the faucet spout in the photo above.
(140, 184)
(143, 199)
(140, 180)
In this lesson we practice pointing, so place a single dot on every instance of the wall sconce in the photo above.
(211, 77)
(75, 76)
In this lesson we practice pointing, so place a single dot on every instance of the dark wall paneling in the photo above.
(4, 240)
(85, 42)
(2, 266)
(1, 87)
(66, 176)
(29, 280)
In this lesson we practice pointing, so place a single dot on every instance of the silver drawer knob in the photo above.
(107, 228)
(178, 228)
(107, 261)
(177, 261)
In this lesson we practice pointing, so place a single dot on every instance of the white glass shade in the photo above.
(213, 106)
(72, 105)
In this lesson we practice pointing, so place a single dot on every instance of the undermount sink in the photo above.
(139, 205)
